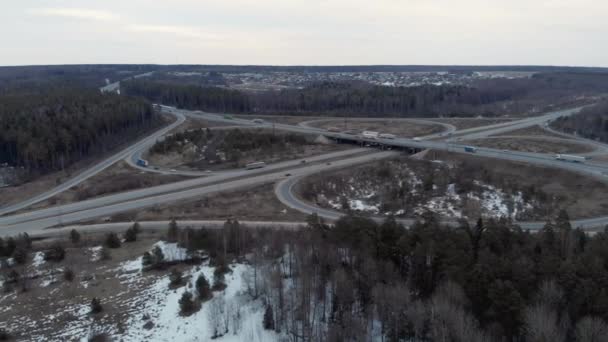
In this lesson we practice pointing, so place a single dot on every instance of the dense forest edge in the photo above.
(49, 131)
(491, 97)
(590, 123)
(359, 280)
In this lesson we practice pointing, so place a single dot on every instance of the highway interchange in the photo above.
(285, 174)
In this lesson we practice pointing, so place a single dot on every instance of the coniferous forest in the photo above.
(492, 97)
(49, 130)
(487, 281)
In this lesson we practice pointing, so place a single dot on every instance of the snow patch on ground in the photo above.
(172, 251)
(38, 259)
(95, 252)
(230, 310)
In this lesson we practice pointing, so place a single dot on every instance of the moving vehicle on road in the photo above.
(333, 129)
(370, 134)
(142, 162)
(570, 158)
(386, 136)
(256, 165)
(258, 121)
(470, 149)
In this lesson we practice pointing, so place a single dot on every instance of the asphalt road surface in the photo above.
(33, 225)
(35, 221)
(95, 169)
(62, 210)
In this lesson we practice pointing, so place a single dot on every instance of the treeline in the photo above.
(188, 96)
(50, 131)
(359, 280)
(484, 97)
(354, 98)
(591, 122)
(37, 79)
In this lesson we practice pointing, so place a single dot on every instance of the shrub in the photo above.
(104, 253)
(176, 278)
(55, 253)
(101, 337)
(112, 240)
(154, 259)
(4, 335)
(74, 236)
(68, 274)
(96, 306)
(20, 255)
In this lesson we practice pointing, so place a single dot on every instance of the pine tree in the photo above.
(112, 240)
(136, 227)
(186, 304)
(131, 234)
(173, 231)
(268, 318)
(74, 236)
(218, 279)
(202, 288)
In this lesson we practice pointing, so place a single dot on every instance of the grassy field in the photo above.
(257, 203)
(400, 128)
(532, 144)
(234, 148)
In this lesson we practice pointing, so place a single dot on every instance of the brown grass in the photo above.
(257, 203)
(43, 311)
(465, 123)
(399, 128)
(117, 178)
(532, 144)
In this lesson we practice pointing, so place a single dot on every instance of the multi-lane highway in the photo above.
(95, 169)
(37, 220)
(288, 173)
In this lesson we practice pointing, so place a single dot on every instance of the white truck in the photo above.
(370, 134)
(386, 136)
(258, 121)
(570, 158)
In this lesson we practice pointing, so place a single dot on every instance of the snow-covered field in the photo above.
(231, 313)
(151, 305)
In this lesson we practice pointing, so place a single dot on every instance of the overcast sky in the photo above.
(311, 32)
